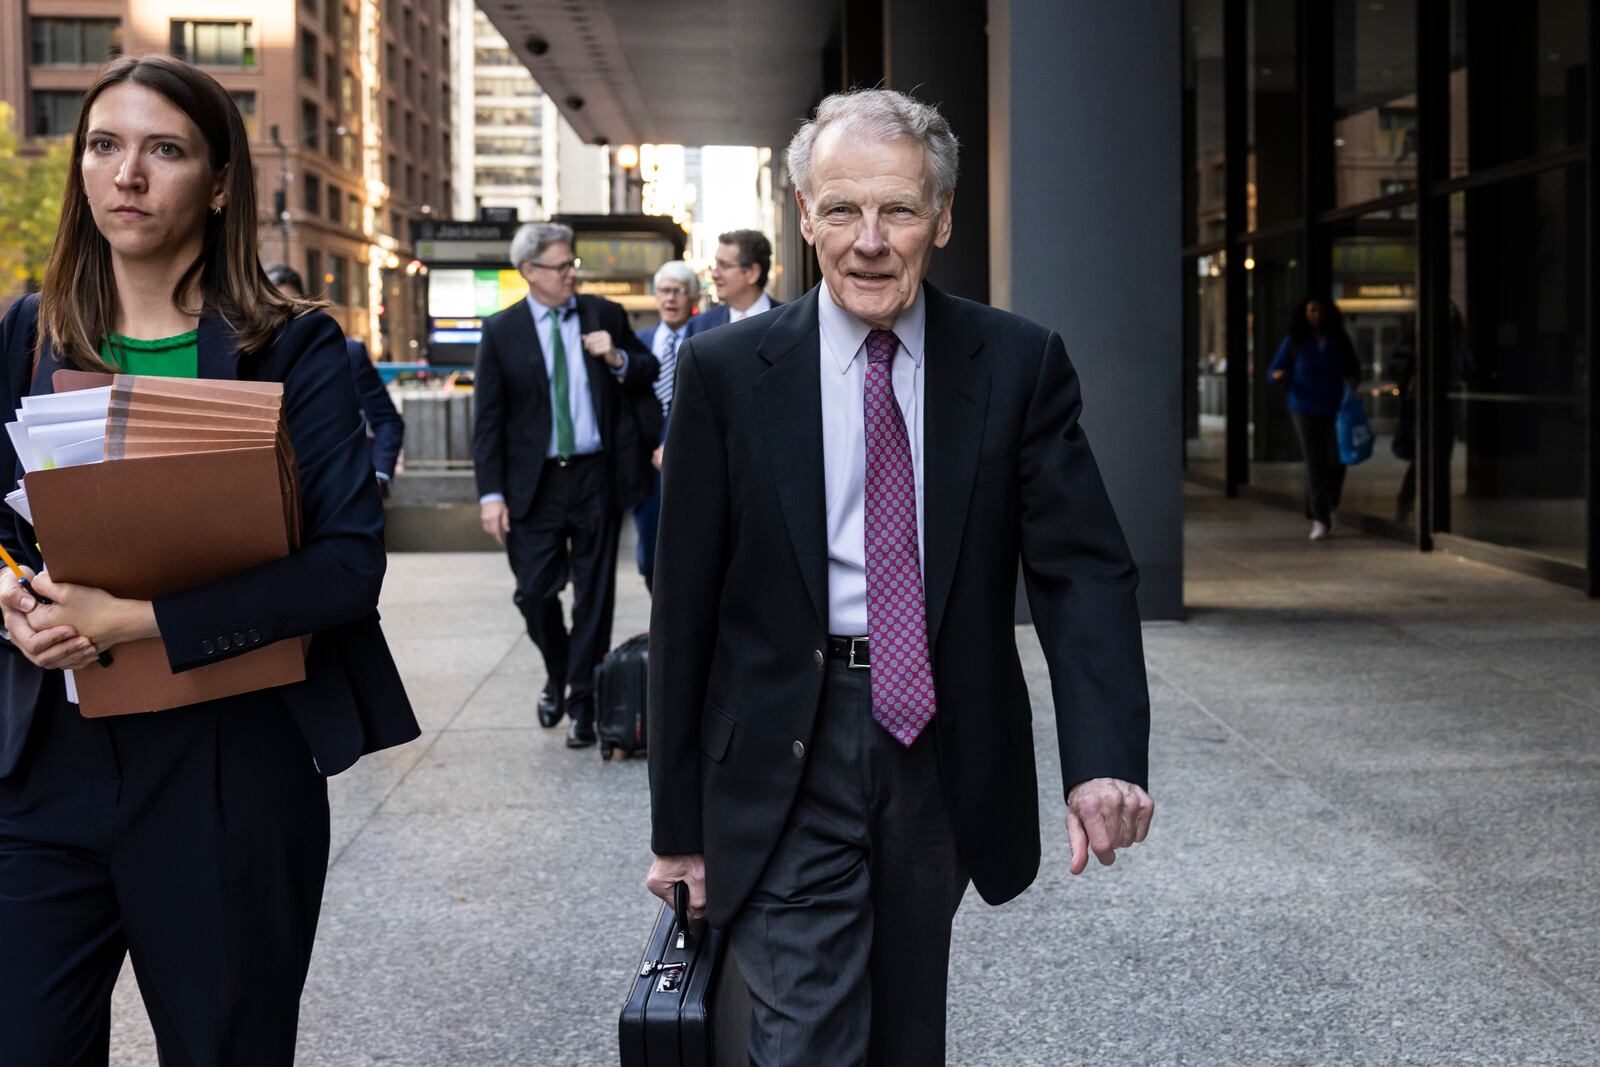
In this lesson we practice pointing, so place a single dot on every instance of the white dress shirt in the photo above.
(844, 445)
(763, 303)
(580, 398)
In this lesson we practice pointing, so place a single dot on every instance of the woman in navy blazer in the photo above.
(195, 839)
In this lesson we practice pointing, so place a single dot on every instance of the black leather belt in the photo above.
(853, 650)
(573, 461)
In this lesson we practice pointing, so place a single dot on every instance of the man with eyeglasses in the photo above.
(744, 258)
(562, 387)
(677, 290)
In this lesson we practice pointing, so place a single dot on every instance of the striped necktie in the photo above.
(668, 358)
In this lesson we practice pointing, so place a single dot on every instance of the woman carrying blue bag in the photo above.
(1319, 362)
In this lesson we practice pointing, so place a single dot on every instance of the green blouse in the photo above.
(167, 357)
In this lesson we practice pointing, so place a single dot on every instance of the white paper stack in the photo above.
(58, 430)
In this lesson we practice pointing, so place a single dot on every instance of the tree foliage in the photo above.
(32, 182)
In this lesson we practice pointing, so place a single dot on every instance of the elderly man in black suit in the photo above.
(562, 387)
(840, 730)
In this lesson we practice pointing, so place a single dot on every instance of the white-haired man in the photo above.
(840, 730)
(677, 291)
(559, 456)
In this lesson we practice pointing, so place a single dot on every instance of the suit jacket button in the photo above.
(799, 749)
(255, 637)
(816, 657)
(222, 643)
(207, 647)
(238, 639)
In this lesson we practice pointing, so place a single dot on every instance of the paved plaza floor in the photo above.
(1377, 838)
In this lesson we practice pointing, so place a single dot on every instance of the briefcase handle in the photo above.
(680, 910)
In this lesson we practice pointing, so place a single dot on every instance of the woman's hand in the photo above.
(53, 647)
(104, 620)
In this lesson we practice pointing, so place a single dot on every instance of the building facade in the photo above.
(347, 103)
(1427, 165)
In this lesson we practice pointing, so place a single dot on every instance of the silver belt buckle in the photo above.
(854, 641)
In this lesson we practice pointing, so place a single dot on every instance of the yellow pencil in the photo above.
(104, 657)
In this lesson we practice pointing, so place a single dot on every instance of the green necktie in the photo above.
(558, 388)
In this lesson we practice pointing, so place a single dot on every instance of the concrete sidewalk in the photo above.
(1377, 789)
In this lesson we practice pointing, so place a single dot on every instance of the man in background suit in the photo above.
(385, 428)
(557, 447)
(839, 725)
(743, 260)
(677, 290)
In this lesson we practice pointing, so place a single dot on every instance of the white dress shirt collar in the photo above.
(843, 334)
(541, 311)
(763, 303)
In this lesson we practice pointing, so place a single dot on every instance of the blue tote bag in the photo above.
(1355, 433)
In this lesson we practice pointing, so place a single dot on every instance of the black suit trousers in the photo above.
(845, 941)
(194, 840)
(570, 530)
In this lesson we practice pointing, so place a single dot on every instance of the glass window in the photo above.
(506, 146)
(1204, 101)
(1374, 99)
(246, 103)
(314, 282)
(352, 212)
(1517, 364)
(215, 44)
(358, 285)
(310, 124)
(348, 92)
(1208, 358)
(338, 270)
(330, 77)
(1276, 284)
(335, 204)
(1203, 98)
(1518, 80)
(309, 50)
(311, 185)
(1375, 289)
(55, 113)
(1273, 130)
(75, 42)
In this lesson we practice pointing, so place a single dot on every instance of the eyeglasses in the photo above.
(671, 290)
(559, 268)
(720, 265)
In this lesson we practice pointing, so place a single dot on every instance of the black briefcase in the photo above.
(621, 690)
(688, 1006)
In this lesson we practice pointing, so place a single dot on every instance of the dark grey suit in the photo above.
(755, 738)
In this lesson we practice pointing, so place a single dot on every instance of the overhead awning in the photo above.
(740, 72)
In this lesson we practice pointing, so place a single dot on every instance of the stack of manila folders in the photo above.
(145, 487)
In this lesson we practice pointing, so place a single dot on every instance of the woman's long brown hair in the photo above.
(78, 302)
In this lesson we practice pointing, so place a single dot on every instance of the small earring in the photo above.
(216, 209)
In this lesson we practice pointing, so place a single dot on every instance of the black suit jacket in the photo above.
(385, 427)
(511, 398)
(741, 600)
(352, 701)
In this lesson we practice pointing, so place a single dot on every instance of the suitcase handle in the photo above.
(680, 910)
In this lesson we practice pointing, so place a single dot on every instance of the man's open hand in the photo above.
(1103, 815)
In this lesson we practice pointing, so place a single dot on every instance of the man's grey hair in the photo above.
(679, 271)
(878, 115)
(531, 241)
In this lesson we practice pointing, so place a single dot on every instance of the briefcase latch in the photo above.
(671, 975)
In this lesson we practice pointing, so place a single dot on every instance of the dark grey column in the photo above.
(1085, 111)
(935, 50)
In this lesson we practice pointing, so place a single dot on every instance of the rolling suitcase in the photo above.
(621, 689)
(688, 1006)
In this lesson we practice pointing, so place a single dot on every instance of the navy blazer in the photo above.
(714, 316)
(384, 424)
(352, 701)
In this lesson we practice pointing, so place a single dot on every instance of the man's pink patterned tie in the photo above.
(897, 624)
